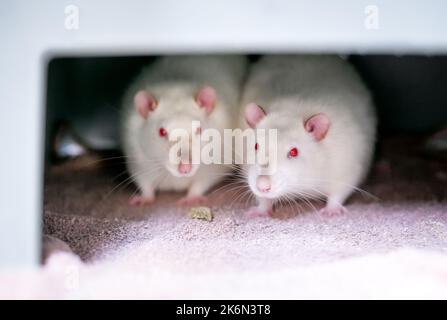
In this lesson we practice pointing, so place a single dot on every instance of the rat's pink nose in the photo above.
(263, 184)
(184, 168)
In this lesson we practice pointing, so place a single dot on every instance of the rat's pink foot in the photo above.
(255, 211)
(138, 201)
(334, 211)
(192, 200)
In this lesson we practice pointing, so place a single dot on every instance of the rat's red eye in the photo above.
(256, 146)
(162, 132)
(293, 153)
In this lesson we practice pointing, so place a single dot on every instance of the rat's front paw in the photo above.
(258, 212)
(192, 201)
(333, 211)
(139, 201)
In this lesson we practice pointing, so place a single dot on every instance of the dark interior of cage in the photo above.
(85, 171)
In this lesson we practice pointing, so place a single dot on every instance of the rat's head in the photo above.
(299, 153)
(171, 127)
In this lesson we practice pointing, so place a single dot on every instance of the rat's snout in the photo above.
(185, 165)
(263, 184)
(184, 168)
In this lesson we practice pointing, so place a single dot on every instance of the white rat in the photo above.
(326, 128)
(170, 94)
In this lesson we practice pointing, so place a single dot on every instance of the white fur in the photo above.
(293, 88)
(174, 82)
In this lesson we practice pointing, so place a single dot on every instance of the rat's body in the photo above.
(169, 95)
(326, 129)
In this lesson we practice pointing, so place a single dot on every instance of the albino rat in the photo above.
(170, 94)
(326, 128)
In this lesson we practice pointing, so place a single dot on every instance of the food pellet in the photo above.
(203, 213)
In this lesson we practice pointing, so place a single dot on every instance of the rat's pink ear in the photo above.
(206, 98)
(144, 103)
(318, 125)
(253, 114)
